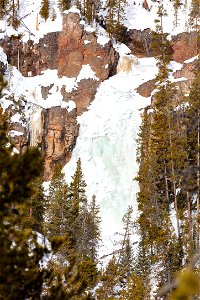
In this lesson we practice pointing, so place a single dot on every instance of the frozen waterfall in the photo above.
(107, 145)
(35, 125)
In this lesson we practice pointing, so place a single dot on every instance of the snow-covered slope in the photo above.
(135, 17)
(139, 18)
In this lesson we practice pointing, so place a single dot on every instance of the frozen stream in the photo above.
(107, 145)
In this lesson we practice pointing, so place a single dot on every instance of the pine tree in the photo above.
(193, 177)
(44, 11)
(53, 15)
(160, 44)
(70, 279)
(125, 259)
(94, 233)
(115, 17)
(2, 8)
(135, 289)
(57, 207)
(20, 277)
(176, 5)
(57, 216)
(64, 4)
(34, 216)
(78, 209)
(109, 281)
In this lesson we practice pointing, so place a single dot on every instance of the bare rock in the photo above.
(84, 94)
(139, 41)
(146, 88)
(45, 91)
(59, 134)
(145, 5)
(77, 47)
(186, 71)
(31, 59)
(185, 46)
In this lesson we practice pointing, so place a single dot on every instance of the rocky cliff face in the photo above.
(183, 78)
(77, 47)
(67, 51)
(31, 59)
(59, 134)
(183, 45)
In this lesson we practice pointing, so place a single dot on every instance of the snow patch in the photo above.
(72, 9)
(191, 59)
(87, 42)
(15, 133)
(15, 118)
(70, 105)
(3, 56)
(85, 73)
(102, 40)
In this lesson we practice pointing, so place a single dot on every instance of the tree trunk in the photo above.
(173, 178)
(189, 218)
(166, 185)
(198, 179)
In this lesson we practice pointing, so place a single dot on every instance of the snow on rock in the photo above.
(85, 73)
(30, 87)
(122, 49)
(102, 40)
(15, 118)
(72, 9)
(3, 56)
(4, 103)
(191, 59)
(70, 105)
(15, 133)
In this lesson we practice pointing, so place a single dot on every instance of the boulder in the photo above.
(146, 88)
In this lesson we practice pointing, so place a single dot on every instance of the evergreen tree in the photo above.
(53, 14)
(57, 207)
(79, 209)
(160, 44)
(20, 276)
(115, 17)
(34, 217)
(176, 5)
(125, 259)
(57, 216)
(109, 281)
(135, 289)
(44, 11)
(70, 279)
(94, 233)
(64, 4)
(192, 181)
